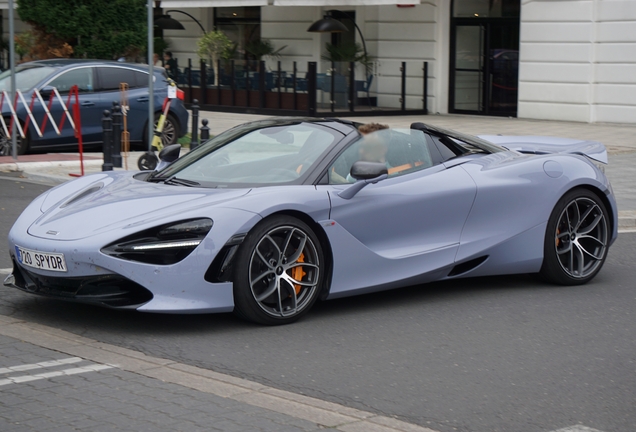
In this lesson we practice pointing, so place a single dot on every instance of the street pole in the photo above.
(151, 76)
(14, 141)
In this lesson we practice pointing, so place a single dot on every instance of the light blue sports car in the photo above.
(271, 216)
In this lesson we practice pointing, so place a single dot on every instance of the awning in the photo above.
(235, 3)
(343, 2)
(211, 3)
(4, 4)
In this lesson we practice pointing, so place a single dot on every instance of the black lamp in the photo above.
(166, 22)
(327, 25)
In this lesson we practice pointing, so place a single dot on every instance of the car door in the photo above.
(110, 79)
(405, 227)
(84, 78)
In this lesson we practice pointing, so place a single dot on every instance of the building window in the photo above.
(241, 24)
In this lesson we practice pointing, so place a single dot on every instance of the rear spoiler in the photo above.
(547, 145)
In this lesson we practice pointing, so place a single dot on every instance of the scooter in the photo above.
(148, 161)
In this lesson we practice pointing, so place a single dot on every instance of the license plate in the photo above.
(41, 260)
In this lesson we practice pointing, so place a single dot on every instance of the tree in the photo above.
(101, 29)
(212, 46)
(260, 48)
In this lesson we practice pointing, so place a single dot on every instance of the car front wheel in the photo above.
(6, 146)
(576, 240)
(279, 271)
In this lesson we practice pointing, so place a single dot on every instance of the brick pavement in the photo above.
(52, 380)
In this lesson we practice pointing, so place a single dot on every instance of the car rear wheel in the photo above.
(576, 240)
(170, 133)
(279, 271)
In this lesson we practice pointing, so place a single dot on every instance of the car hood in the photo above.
(546, 145)
(119, 203)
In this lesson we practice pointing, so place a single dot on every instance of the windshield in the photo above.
(26, 77)
(269, 155)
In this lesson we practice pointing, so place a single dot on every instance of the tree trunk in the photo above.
(215, 68)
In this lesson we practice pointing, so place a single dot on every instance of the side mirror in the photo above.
(368, 170)
(46, 91)
(366, 173)
(168, 155)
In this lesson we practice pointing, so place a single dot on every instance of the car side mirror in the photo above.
(361, 170)
(168, 155)
(366, 173)
(46, 91)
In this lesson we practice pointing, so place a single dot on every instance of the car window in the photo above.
(402, 150)
(277, 154)
(110, 78)
(82, 77)
(26, 77)
(141, 79)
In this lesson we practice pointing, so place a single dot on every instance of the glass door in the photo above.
(469, 68)
(484, 57)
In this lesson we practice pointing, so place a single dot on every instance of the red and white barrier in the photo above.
(74, 120)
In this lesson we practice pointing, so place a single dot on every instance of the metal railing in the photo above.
(284, 88)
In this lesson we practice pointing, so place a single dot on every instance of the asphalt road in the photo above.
(489, 354)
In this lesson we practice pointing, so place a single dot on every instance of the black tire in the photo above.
(576, 239)
(6, 147)
(170, 134)
(278, 251)
(147, 162)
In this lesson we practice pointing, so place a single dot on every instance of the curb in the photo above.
(31, 166)
(322, 413)
(627, 219)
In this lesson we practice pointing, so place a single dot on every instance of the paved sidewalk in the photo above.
(52, 380)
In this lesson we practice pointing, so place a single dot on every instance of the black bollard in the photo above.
(107, 128)
(194, 141)
(205, 130)
(117, 120)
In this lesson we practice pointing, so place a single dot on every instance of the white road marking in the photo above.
(6, 270)
(577, 428)
(46, 375)
(46, 364)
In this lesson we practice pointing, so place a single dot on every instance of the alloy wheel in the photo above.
(581, 238)
(284, 271)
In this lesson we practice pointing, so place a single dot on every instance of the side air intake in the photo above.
(467, 266)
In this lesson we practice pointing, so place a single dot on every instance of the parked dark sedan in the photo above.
(99, 85)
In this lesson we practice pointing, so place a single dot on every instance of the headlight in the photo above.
(166, 244)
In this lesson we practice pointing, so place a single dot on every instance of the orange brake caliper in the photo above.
(558, 241)
(298, 273)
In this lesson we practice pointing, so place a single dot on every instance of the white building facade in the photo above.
(572, 60)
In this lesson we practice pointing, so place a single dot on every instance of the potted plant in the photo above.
(348, 52)
(260, 48)
(212, 46)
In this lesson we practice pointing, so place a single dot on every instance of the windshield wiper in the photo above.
(181, 182)
(173, 181)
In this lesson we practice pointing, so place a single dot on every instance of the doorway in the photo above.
(484, 57)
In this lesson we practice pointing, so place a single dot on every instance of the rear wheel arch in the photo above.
(603, 197)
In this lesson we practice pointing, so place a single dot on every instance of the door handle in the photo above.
(87, 103)
(143, 99)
